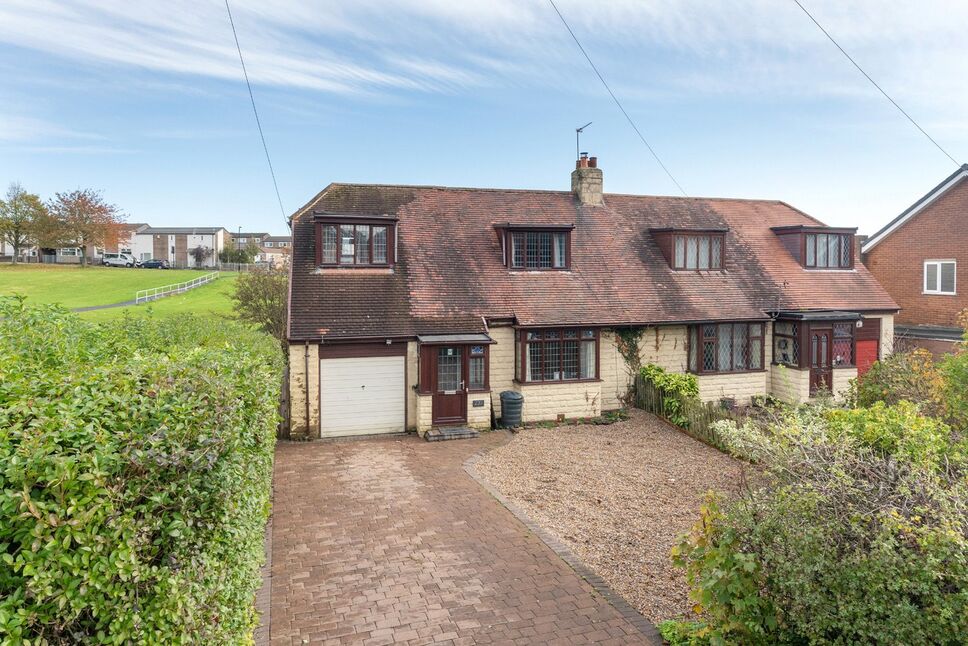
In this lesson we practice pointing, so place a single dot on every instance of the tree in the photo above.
(244, 255)
(20, 217)
(200, 254)
(86, 219)
(261, 298)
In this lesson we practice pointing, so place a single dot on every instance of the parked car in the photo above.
(154, 263)
(119, 260)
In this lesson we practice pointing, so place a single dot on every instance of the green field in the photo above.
(72, 286)
(213, 299)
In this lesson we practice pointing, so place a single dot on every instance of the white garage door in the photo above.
(361, 396)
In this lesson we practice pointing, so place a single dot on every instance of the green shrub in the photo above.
(854, 536)
(135, 472)
(903, 376)
(900, 430)
(676, 388)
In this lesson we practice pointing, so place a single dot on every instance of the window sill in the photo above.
(558, 382)
(727, 372)
(359, 270)
(939, 293)
(536, 270)
(478, 391)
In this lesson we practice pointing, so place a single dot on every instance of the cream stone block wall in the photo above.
(425, 412)
(413, 374)
(298, 426)
(741, 386)
(479, 417)
(841, 380)
(501, 357)
(789, 384)
(887, 334)
(613, 372)
(547, 401)
(665, 346)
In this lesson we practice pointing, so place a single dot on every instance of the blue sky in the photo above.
(146, 102)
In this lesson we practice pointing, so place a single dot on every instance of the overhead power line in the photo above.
(255, 111)
(874, 83)
(615, 98)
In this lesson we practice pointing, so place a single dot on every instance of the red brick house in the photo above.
(415, 306)
(921, 258)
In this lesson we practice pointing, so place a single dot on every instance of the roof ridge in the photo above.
(487, 189)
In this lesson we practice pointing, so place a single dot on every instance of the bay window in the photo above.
(725, 347)
(560, 354)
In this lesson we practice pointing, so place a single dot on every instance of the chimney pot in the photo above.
(593, 162)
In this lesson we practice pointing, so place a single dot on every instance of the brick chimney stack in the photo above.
(586, 181)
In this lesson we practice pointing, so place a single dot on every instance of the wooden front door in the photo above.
(821, 371)
(450, 394)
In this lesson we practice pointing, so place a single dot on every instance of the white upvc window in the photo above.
(269, 243)
(939, 277)
(70, 251)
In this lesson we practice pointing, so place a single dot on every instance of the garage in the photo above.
(362, 395)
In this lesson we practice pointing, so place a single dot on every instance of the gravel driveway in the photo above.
(618, 496)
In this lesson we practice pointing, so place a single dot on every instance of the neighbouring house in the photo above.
(126, 238)
(27, 254)
(275, 250)
(921, 257)
(243, 239)
(416, 306)
(175, 244)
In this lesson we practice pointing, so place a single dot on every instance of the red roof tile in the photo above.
(449, 270)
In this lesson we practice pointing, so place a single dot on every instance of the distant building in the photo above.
(276, 249)
(175, 244)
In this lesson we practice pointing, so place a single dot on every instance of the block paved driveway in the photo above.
(389, 541)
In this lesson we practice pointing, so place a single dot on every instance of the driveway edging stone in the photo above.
(633, 616)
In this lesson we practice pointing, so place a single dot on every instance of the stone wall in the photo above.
(548, 401)
(740, 386)
(841, 381)
(501, 365)
(479, 417)
(299, 429)
(413, 374)
(425, 408)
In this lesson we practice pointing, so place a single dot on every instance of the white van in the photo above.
(118, 260)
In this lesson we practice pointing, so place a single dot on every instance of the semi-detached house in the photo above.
(415, 306)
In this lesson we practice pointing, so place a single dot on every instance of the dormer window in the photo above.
(828, 250)
(692, 249)
(536, 248)
(819, 247)
(355, 241)
(698, 252)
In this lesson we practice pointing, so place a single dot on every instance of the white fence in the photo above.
(154, 293)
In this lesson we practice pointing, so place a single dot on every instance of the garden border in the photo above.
(617, 601)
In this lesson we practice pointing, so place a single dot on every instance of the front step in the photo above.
(443, 434)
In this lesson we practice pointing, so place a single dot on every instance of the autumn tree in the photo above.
(21, 216)
(261, 298)
(86, 219)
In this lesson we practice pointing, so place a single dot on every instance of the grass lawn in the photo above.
(213, 299)
(72, 286)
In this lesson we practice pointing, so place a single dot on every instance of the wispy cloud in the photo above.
(20, 128)
(370, 46)
(648, 48)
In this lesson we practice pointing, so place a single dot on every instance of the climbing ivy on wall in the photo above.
(627, 340)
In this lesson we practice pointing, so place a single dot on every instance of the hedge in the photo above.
(135, 473)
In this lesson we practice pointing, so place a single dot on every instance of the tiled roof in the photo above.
(279, 239)
(449, 272)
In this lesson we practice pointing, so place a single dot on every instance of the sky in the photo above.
(146, 102)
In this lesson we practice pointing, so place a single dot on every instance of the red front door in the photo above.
(821, 371)
(450, 394)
